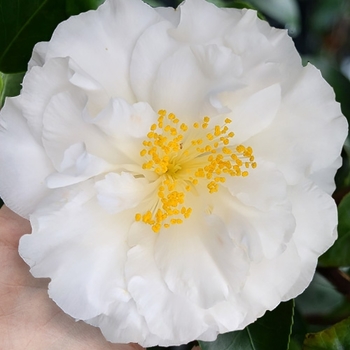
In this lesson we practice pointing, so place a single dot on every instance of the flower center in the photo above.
(185, 156)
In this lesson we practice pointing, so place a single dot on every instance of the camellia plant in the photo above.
(184, 170)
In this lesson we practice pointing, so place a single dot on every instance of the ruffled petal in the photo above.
(263, 232)
(61, 120)
(308, 104)
(77, 166)
(70, 233)
(125, 126)
(208, 23)
(39, 85)
(269, 282)
(160, 77)
(253, 113)
(118, 192)
(99, 36)
(211, 276)
(24, 163)
(152, 295)
(264, 187)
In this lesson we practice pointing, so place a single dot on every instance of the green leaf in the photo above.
(272, 331)
(10, 85)
(74, 7)
(333, 338)
(294, 345)
(153, 3)
(326, 13)
(23, 23)
(319, 298)
(284, 11)
(339, 253)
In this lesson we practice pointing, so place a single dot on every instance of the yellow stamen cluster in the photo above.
(182, 162)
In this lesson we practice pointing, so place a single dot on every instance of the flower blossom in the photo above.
(176, 166)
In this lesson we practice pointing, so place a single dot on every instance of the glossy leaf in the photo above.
(73, 7)
(25, 22)
(10, 85)
(22, 24)
(326, 13)
(339, 253)
(284, 11)
(319, 298)
(272, 331)
(154, 3)
(238, 4)
(333, 338)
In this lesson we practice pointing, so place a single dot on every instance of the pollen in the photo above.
(185, 157)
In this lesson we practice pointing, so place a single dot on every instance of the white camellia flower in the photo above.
(177, 168)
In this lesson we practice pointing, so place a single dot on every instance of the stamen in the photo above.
(182, 164)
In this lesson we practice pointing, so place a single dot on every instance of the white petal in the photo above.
(263, 233)
(201, 22)
(107, 35)
(24, 164)
(183, 86)
(269, 281)
(171, 78)
(126, 126)
(197, 260)
(324, 178)
(263, 188)
(170, 14)
(145, 63)
(63, 126)
(316, 215)
(218, 61)
(153, 297)
(38, 56)
(39, 85)
(123, 324)
(253, 114)
(97, 96)
(309, 131)
(77, 166)
(117, 192)
(122, 120)
(81, 248)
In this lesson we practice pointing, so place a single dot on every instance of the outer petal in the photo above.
(107, 35)
(70, 233)
(308, 133)
(201, 262)
(39, 85)
(153, 297)
(24, 163)
(257, 212)
(180, 62)
(201, 22)
(64, 126)
(269, 281)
